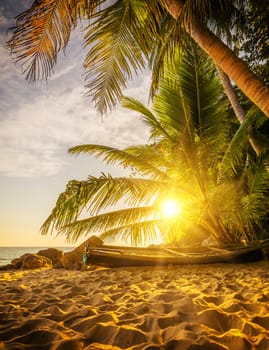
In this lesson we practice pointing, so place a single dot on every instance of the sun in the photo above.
(170, 208)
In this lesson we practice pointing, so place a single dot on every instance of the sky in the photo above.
(39, 123)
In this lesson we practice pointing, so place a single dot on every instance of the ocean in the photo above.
(9, 253)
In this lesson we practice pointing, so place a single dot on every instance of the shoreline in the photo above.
(205, 307)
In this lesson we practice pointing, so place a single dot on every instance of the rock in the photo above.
(33, 261)
(55, 255)
(59, 265)
(6, 267)
(73, 259)
(16, 263)
(30, 261)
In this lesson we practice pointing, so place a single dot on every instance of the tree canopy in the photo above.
(123, 36)
(190, 157)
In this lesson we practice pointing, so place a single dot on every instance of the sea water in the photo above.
(9, 253)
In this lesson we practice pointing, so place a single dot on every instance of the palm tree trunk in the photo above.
(238, 109)
(223, 56)
(230, 93)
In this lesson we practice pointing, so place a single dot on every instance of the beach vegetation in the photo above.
(198, 153)
(211, 158)
(123, 37)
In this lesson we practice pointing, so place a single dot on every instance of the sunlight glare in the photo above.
(170, 208)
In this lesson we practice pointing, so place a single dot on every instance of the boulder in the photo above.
(17, 263)
(55, 255)
(33, 261)
(59, 265)
(73, 259)
(6, 267)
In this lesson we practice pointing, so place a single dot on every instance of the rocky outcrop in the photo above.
(73, 259)
(52, 257)
(55, 255)
(31, 261)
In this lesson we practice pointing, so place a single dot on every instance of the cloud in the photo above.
(35, 135)
(39, 122)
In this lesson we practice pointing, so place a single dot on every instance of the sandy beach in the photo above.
(209, 307)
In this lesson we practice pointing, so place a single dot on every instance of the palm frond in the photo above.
(44, 30)
(190, 102)
(86, 8)
(105, 222)
(97, 194)
(169, 106)
(118, 49)
(234, 156)
(138, 233)
(113, 155)
(258, 187)
(203, 95)
(68, 207)
(156, 154)
(163, 50)
(189, 87)
(41, 32)
(241, 202)
(147, 116)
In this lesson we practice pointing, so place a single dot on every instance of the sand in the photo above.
(209, 307)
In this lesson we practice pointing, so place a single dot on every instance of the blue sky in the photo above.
(38, 123)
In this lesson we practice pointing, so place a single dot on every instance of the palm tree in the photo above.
(190, 128)
(224, 57)
(121, 38)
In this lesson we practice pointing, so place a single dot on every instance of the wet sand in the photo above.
(205, 307)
